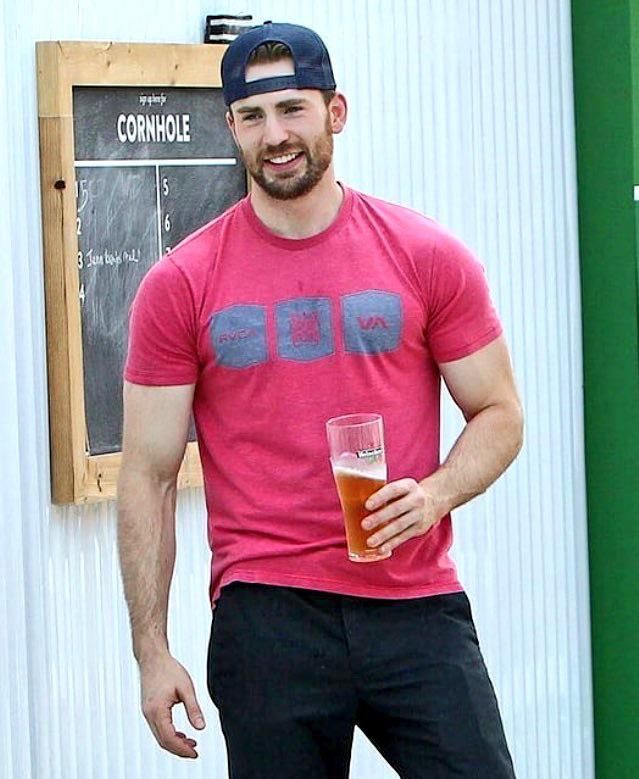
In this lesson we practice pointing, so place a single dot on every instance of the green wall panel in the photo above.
(605, 44)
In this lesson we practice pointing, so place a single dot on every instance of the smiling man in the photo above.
(305, 301)
(283, 169)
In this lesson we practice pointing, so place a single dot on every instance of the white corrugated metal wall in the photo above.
(459, 108)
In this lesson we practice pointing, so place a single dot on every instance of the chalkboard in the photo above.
(134, 156)
(151, 166)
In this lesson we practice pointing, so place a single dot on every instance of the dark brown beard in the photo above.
(318, 158)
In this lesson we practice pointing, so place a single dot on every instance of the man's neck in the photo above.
(303, 216)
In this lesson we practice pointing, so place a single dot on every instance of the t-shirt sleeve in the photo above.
(162, 332)
(461, 316)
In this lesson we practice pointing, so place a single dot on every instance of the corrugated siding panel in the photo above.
(532, 525)
(15, 733)
(461, 109)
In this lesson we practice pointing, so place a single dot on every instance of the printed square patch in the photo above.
(238, 335)
(304, 329)
(372, 321)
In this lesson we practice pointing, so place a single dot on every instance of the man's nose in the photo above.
(274, 131)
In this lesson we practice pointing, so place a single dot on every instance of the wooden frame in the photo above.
(76, 476)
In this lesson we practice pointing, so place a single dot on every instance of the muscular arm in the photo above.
(154, 439)
(483, 387)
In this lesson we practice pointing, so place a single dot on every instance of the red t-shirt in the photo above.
(279, 335)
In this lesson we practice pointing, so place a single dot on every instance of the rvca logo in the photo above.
(238, 335)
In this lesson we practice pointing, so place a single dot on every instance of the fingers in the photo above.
(167, 737)
(157, 709)
(411, 532)
(190, 741)
(193, 711)
(390, 492)
(392, 511)
(394, 500)
(408, 526)
(400, 512)
(174, 741)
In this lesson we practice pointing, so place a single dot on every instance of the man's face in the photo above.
(285, 138)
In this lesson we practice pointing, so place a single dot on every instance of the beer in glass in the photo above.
(356, 444)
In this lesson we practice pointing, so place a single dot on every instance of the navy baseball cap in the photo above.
(310, 57)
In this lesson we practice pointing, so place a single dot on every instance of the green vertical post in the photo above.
(605, 58)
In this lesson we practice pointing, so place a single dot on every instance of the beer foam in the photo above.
(374, 471)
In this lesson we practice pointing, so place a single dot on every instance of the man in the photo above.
(305, 301)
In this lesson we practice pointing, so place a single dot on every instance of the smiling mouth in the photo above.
(284, 160)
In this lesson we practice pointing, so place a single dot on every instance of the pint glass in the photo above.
(356, 444)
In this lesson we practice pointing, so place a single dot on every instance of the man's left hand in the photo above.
(405, 509)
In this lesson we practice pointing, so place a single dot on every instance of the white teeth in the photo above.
(282, 160)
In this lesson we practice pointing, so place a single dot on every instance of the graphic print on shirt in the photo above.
(238, 335)
(304, 329)
(372, 321)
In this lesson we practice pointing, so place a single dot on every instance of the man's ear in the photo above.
(338, 111)
(230, 123)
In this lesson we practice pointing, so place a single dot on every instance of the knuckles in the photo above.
(422, 527)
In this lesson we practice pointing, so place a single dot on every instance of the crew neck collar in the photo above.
(295, 244)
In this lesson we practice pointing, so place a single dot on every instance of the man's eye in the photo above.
(293, 109)
(250, 117)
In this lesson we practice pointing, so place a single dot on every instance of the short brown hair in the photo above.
(274, 51)
(271, 51)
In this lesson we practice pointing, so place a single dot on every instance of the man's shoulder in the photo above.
(420, 235)
(188, 265)
(403, 220)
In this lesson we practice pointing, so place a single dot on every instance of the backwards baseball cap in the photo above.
(310, 57)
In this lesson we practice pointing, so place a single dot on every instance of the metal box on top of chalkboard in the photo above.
(225, 28)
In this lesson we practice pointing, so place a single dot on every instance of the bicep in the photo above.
(482, 379)
(155, 429)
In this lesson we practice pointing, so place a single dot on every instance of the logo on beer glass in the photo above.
(375, 453)
(356, 444)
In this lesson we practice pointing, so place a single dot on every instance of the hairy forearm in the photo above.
(146, 546)
(488, 444)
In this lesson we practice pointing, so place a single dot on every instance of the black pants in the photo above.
(293, 671)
